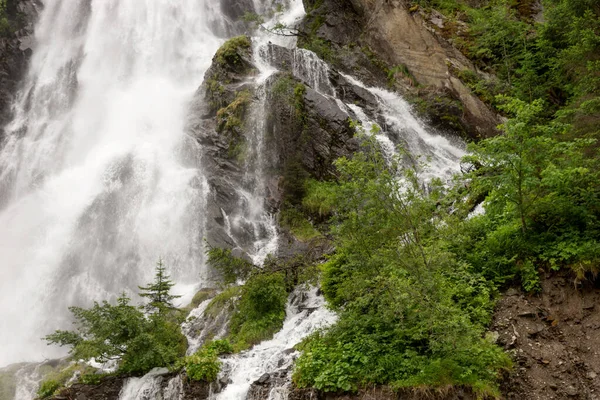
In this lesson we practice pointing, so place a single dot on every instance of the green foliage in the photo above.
(222, 301)
(48, 388)
(230, 52)
(319, 200)
(58, 377)
(321, 48)
(291, 92)
(231, 268)
(215, 92)
(123, 332)
(541, 195)
(296, 222)
(201, 296)
(260, 310)
(6, 28)
(204, 364)
(92, 378)
(230, 118)
(500, 38)
(410, 312)
(486, 89)
(557, 60)
(404, 72)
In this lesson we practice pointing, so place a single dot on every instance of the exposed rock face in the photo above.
(554, 337)
(389, 36)
(171, 386)
(15, 51)
(303, 129)
(235, 9)
(223, 81)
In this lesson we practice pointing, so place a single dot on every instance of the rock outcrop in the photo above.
(385, 43)
(300, 128)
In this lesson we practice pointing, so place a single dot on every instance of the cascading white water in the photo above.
(441, 155)
(147, 387)
(303, 316)
(98, 179)
(97, 176)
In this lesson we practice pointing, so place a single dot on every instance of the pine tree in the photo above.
(158, 292)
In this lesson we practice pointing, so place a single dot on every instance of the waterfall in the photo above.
(97, 176)
(305, 313)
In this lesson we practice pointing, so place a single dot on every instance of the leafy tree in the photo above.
(158, 292)
(410, 312)
(122, 332)
(541, 199)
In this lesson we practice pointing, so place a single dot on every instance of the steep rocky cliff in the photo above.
(385, 42)
(304, 128)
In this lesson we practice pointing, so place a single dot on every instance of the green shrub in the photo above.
(319, 200)
(297, 223)
(230, 118)
(224, 300)
(140, 341)
(201, 296)
(261, 310)
(231, 268)
(204, 365)
(229, 52)
(410, 312)
(48, 388)
(92, 378)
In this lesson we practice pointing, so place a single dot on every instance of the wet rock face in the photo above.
(369, 38)
(169, 386)
(304, 128)
(264, 387)
(229, 75)
(15, 51)
(235, 9)
(313, 131)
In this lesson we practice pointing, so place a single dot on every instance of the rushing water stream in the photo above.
(98, 178)
(96, 175)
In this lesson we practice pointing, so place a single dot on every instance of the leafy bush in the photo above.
(123, 332)
(224, 300)
(229, 52)
(541, 199)
(410, 312)
(48, 388)
(55, 378)
(260, 310)
(204, 365)
(231, 268)
(297, 223)
(201, 296)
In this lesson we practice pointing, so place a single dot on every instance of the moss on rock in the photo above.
(231, 52)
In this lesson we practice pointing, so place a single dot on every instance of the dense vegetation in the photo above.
(414, 275)
(548, 51)
(138, 338)
(412, 313)
(415, 272)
